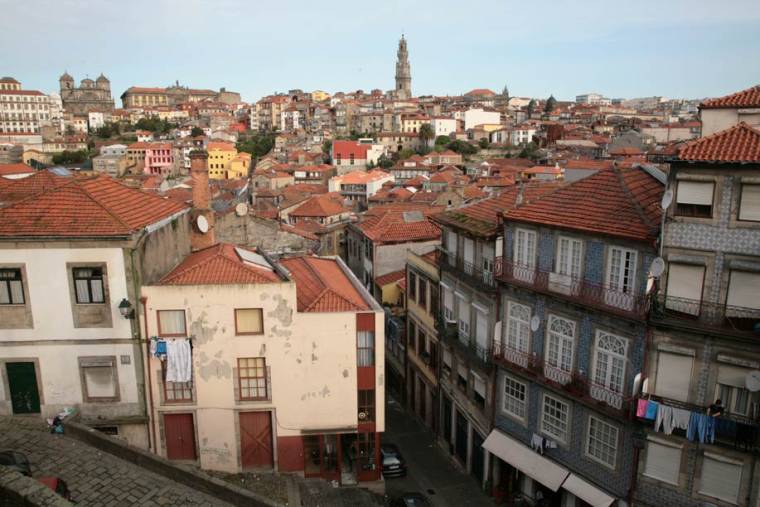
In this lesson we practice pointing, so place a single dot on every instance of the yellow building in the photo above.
(220, 155)
(238, 166)
(319, 96)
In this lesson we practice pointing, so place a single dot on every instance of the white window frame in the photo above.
(749, 191)
(525, 248)
(515, 402)
(544, 425)
(611, 358)
(519, 325)
(615, 437)
(569, 250)
(563, 341)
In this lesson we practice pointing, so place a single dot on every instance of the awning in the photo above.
(587, 492)
(526, 460)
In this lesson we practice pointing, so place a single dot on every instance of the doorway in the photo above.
(22, 382)
(256, 440)
(179, 431)
(478, 457)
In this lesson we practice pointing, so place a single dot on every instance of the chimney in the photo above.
(202, 234)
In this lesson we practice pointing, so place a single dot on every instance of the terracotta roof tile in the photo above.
(396, 226)
(15, 169)
(218, 264)
(389, 278)
(322, 286)
(79, 207)
(745, 98)
(621, 202)
(323, 205)
(740, 143)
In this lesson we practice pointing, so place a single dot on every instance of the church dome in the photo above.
(102, 79)
(66, 77)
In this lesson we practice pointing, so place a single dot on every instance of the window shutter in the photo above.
(469, 250)
(447, 358)
(451, 242)
(448, 304)
(482, 330)
(464, 311)
(720, 478)
(742, 290)
(674, 375)
(695, 192)
(663, 462)
(749, 209)
(479, 385)
(732, 376)
(684, 282)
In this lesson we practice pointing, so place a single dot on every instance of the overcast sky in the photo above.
(675, 48)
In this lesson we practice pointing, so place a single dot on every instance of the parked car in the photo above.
(16, 461)
(58, 485)
(411, 500)
(394, 464)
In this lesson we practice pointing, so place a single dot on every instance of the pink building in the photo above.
(159, 159)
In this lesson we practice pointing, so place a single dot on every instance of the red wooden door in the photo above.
(256, 440)
(180, 436)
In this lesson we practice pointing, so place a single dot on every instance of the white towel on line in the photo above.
(179, 367)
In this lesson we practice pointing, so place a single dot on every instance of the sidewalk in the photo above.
(431, 471)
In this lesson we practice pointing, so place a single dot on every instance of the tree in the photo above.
(70, 157)
(405, 153)
(551, 103)
(258, 144)
(484, 143)
(529, 151)
(104, 132)
(327, 146)
(531, 107)
(426, 134)
(442, 141)
(463, 148)
(196, 132)
(384, 161)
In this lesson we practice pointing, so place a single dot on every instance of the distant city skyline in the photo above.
(679, 49)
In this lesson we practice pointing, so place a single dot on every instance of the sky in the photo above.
(672, 48)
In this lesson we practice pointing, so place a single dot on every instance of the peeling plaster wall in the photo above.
(311, 358)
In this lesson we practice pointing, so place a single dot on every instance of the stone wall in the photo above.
(17, 490)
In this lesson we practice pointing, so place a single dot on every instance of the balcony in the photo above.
(574, 382)
(575, 290)
(449, 334)
(746, 440)
(693, 314)
(471, 274)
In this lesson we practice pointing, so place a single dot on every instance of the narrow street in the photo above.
(431, 471)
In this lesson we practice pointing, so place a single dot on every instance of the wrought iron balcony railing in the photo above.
(449, 333)
(572, 381)
(473, 274)
(579, 290)
(690, 312)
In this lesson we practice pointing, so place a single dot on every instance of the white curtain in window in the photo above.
(366, 353)
(749, 209)
(83, 294)
(172, 322)
(97, 290)
(17, 291)
(695, 192)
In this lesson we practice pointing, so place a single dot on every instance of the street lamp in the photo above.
(125, 308)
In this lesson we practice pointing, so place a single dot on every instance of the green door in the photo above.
(23, 384)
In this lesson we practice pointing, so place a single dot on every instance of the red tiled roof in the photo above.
(12, 190)
(485, 92)
(20, 92)
(623, 203)
(740, 143)
(79, 207)
(322, 286)
(344, 149)
(389, 278)
(399, 226)
(482, 217)
(220, 145)
(323, 205)
(14, 169)
(216, 265)
(745, 98)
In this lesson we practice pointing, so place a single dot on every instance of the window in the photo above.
(420, 341)
(365, 348)
(366, 405)
(446, 362)
(621, 277)
(462, 377)
(433, 355)
(560, 340)
(555, 418)
(412, 289)
(422, 293)
(673, 375)
(742, 300)
(412, 338)
(731, 390)
(663, 461)
(11, 287)
(99, 378)
(518, 327)
(171, 323)
(525, 248)
(609, 366)
(249, 321)
(602, 442)
(252, 378)
(88, 283)
(515, 394)
(684, 290)
(479, 390)
(451, 247)
(749, 206)
(176, 392)
(569, 257)
(448, 304)
(464, 320)
(434, 299)
(366, 446)
(721, 477)
(694, 198)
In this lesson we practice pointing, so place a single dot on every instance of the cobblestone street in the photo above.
(94, 477)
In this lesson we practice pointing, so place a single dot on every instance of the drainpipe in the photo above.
(136, 288)
(149, 385)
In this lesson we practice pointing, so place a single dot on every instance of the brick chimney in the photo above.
(201, 201)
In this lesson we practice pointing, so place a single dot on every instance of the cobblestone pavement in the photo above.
(94, 477)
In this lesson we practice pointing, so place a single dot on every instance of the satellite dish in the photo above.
(657, 267)
(752, 381)
(534, 323)
(241, 209)
(667, 199)
(202, 224)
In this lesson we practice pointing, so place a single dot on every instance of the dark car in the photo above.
(411, 500)
(394, 464)
(16, 461)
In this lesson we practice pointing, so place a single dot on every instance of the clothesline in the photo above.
(177, 352)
